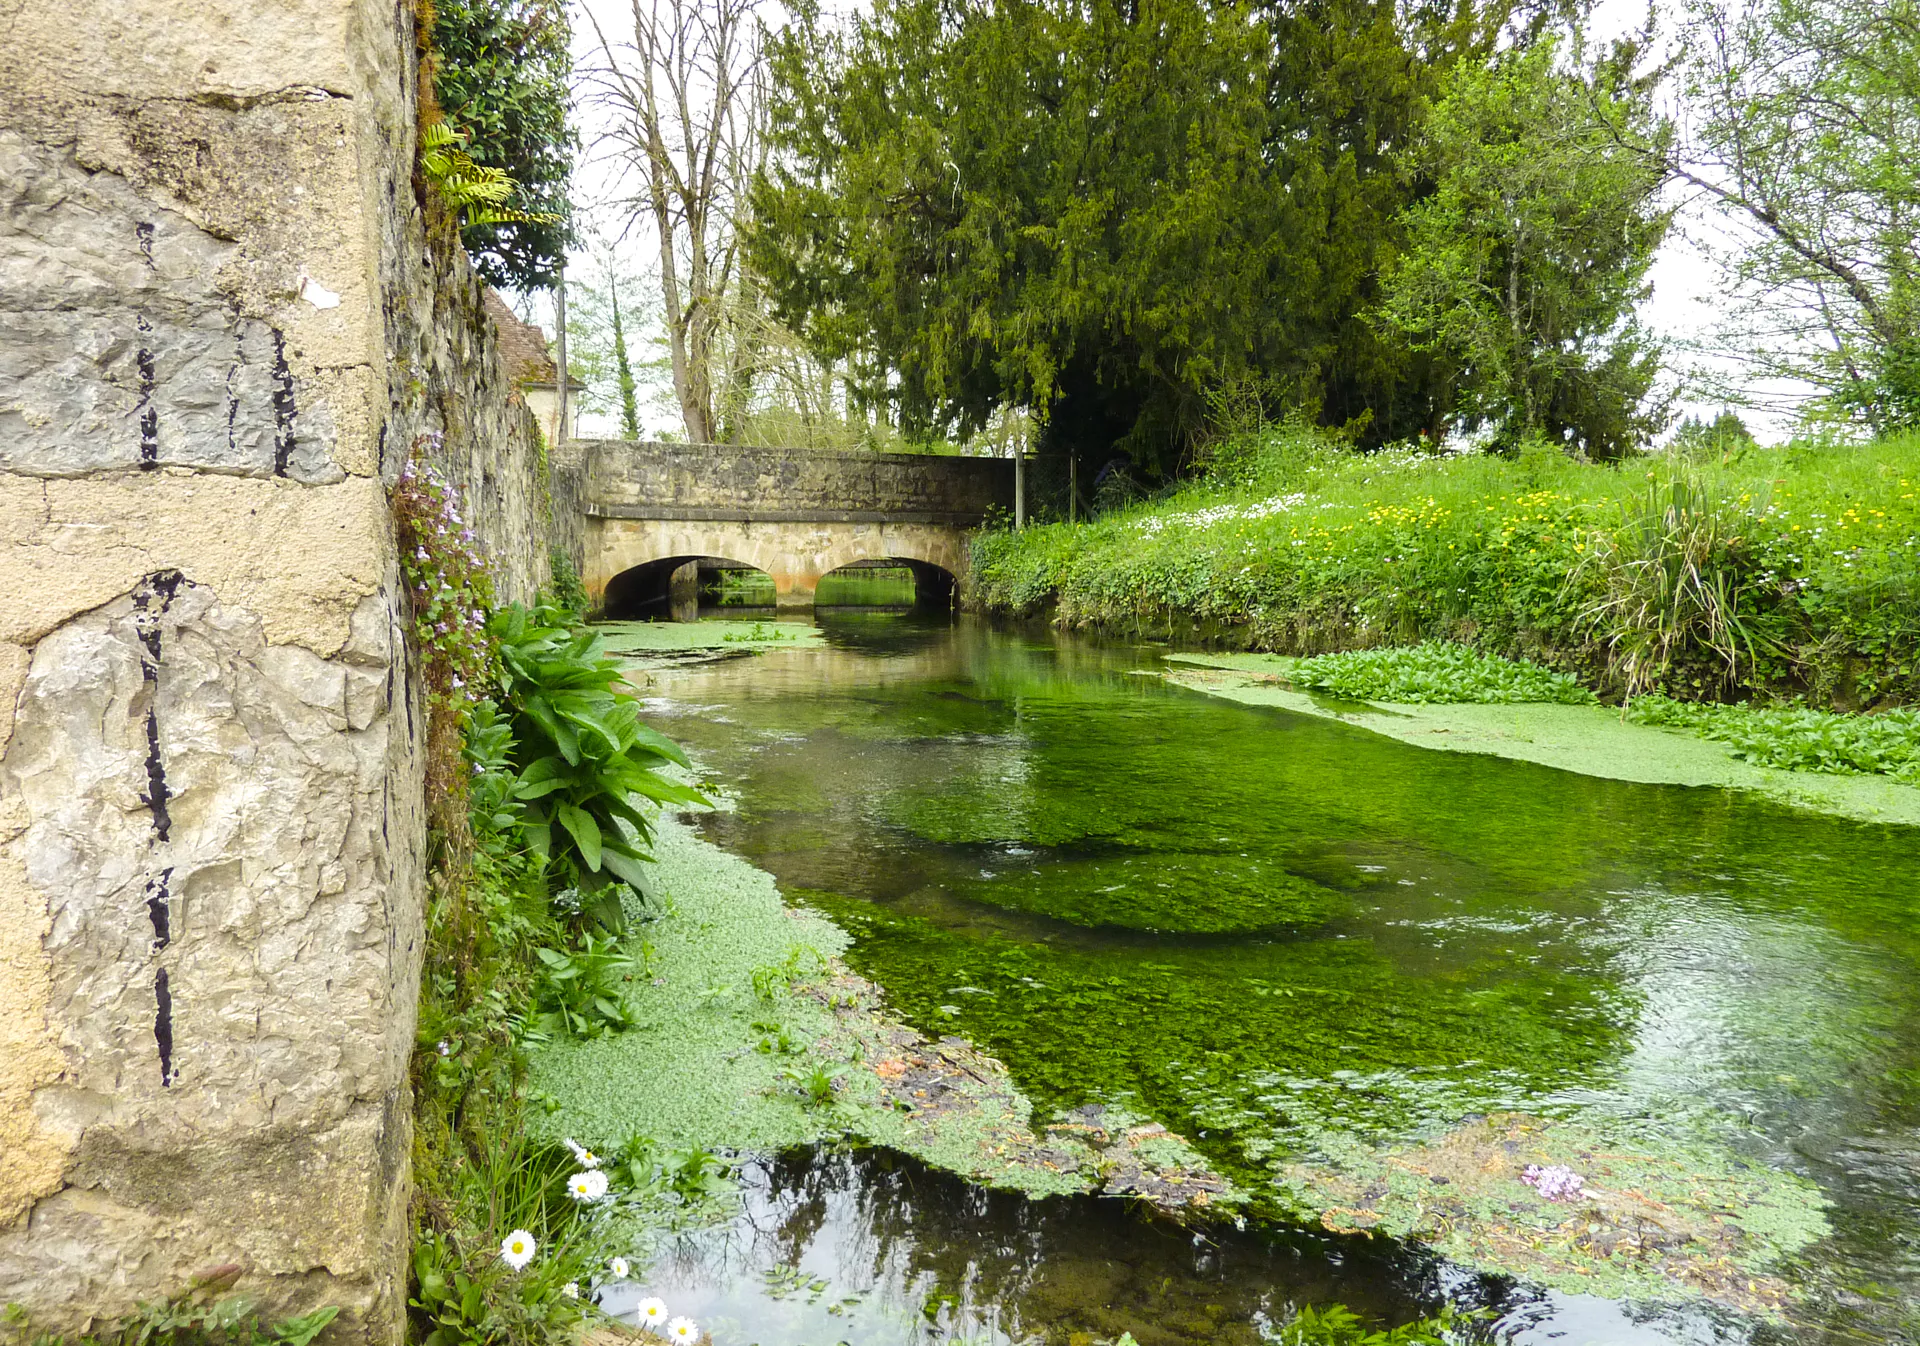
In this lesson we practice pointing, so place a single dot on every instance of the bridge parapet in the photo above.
(648, 510)
(630, 480)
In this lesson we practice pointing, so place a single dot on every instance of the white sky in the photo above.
(1689, 288)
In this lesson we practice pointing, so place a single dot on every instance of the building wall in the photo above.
(225, 326)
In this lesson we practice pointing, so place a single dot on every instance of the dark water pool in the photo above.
(870, 1249)
(1285, 938)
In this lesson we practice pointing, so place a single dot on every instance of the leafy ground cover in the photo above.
(1798, 739)
(1780, 572)
(1436, 671)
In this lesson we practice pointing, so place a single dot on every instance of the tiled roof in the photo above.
(523, 346)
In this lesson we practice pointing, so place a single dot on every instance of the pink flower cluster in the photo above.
(449, 579)
(1556, 1182)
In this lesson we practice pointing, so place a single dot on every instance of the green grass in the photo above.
(1810, 558)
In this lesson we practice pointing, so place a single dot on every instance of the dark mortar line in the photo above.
(149, 414)
(283, 407)
(233, 396)
(157, 911)
(163, 1026)
(151, 599)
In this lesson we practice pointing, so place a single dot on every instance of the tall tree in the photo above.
(605, 331)
(686, 93)
(623, 373)
(1109, 214)
(1807, 139)
(501, 75)
(1523, 269)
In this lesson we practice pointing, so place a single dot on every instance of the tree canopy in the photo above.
(501, 70)
(1523, 268)
(1120, 215)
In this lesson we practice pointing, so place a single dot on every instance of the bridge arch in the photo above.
(632, 565)
(796, 515)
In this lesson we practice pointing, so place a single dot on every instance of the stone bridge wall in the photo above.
(225, 323)
(797, 514)
(710, 481)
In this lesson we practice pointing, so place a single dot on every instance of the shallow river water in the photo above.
(1283, 938)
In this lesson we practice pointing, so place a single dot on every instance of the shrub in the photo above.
(1435, 672)
(1676, 578)
(581, 756)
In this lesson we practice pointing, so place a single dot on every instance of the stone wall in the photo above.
(225, 324)
(709, 481)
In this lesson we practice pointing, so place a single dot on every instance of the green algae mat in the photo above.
(1380, 990)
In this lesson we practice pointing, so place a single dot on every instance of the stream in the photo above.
(1302, 945)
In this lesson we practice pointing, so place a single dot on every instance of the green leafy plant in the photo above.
(817, 1084)
(1435, 672)
(479, 192)
(501, 70)
(567, 593)
(1337, 1325)
(465, 1287)
(447, 578)
(582, 757)
(583, 990)
(197, 1318)
(1798, 739)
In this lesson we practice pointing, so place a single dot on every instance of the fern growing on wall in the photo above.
(480, 193)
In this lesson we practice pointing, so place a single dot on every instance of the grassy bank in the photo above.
(1779, 573)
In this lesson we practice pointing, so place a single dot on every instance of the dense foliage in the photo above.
(1137, 221)
(501, 70)
(1522, 271)
(1802, 131)
(1797, 739)
(1437, 671)
(1783, 572)
(524, 944)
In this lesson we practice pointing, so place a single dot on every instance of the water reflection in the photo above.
(871, 1249)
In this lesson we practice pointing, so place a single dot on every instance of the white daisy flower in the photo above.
(587, 1158)
(517, 1249)
(683, 1329)
(619, 1268)
(589, 1184)
(571, 1290)
(650, 1312)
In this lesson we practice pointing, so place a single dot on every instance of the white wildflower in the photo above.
(517, 1249)
(587, 1185)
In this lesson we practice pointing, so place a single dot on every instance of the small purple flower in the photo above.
(457, 684)
(1556, 1182)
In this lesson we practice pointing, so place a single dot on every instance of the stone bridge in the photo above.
(650, 510)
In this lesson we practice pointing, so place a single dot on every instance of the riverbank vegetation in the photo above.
(1770, 574)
